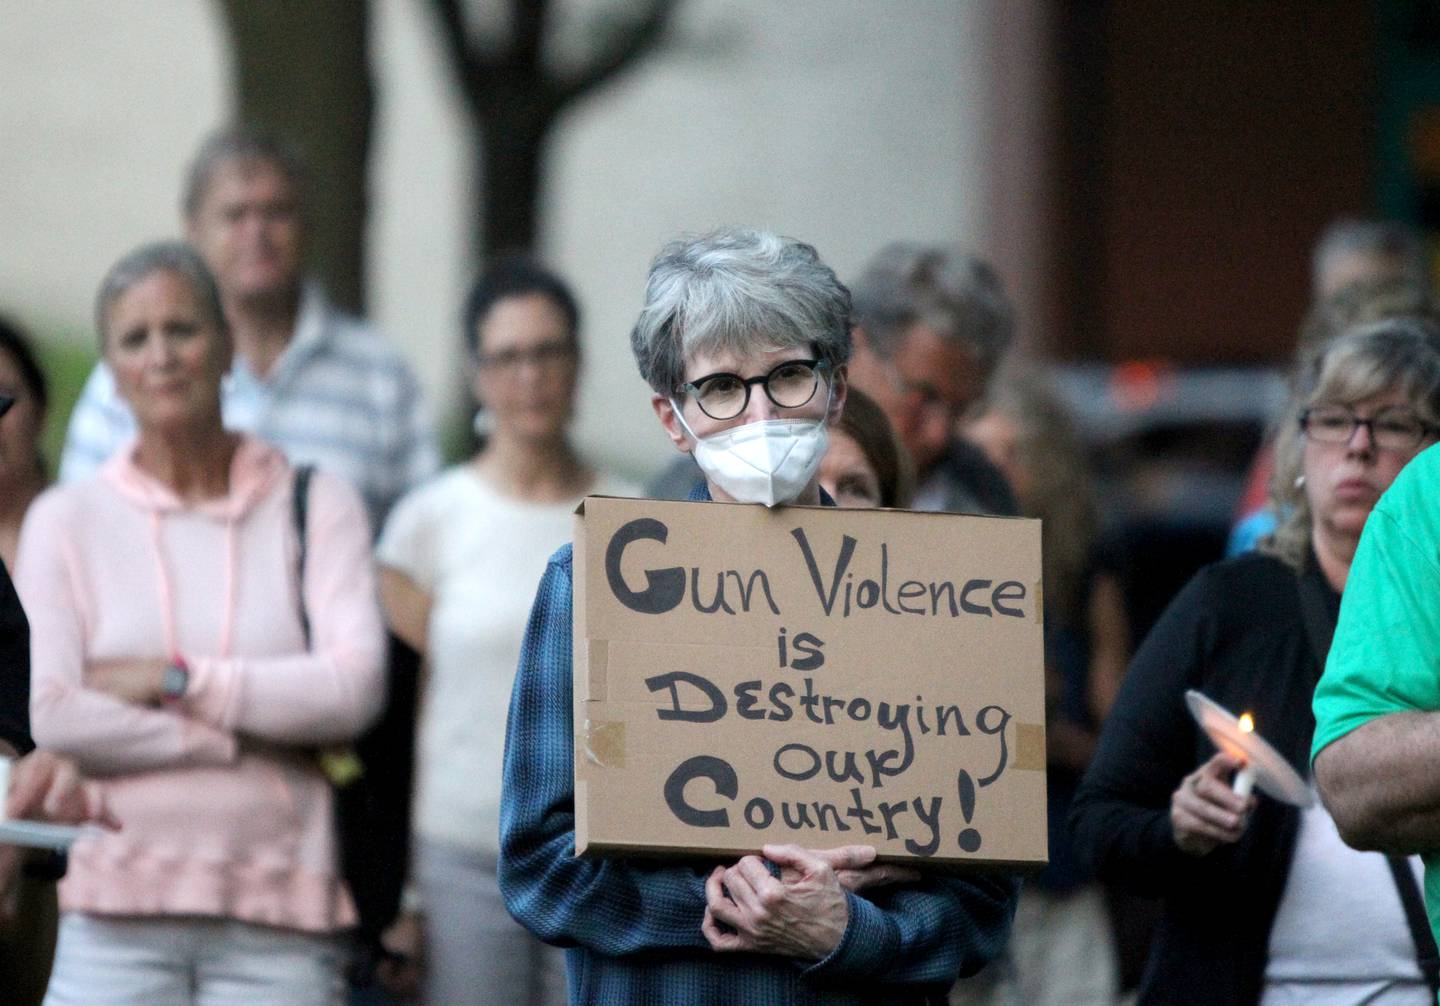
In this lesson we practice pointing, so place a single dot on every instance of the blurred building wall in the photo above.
(846, 124)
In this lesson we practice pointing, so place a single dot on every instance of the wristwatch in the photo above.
(175, 680)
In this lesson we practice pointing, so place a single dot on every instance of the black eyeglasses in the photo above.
(5, 402)
(1393, 429)
(789, 385)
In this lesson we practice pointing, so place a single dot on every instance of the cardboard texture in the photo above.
(816, 676)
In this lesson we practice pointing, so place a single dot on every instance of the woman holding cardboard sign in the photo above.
(743, 339)
(1251, 885)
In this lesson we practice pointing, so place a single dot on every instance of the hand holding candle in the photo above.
(1205, 811)
(1255, 761)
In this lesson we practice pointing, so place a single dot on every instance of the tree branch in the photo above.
(638, 39)
(472, 71)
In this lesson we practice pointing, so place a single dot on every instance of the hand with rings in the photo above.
(1204, 811)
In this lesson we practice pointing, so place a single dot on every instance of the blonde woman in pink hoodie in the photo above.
(170, 660)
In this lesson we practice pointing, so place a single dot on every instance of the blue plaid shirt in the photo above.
(632, 927)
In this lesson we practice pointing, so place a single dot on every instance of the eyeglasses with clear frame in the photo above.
(1393, 429)
(789, 385)
(545, 356)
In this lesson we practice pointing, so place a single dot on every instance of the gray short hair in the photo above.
(737, 290)
(1359, 302)
(958, 295)
(243, 144)
(160, 256)
(1367, 360)
(1387, 239)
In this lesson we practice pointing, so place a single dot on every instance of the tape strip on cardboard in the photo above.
(1030, 747)
(605, 744)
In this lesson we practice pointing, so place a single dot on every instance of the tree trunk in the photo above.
(511, 155)
(302, 70)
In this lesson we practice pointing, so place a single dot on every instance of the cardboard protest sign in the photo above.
(808, 675)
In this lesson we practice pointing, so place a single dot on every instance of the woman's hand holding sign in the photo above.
(804, 918)
(854, 867)
(803, 912)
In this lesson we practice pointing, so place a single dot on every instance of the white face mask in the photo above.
(768, 462)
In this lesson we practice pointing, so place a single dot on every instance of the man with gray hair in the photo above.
(325, 388)
(931, 325)
(1359, 270)
(1353, 250)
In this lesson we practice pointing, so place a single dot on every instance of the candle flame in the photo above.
(1247, 723)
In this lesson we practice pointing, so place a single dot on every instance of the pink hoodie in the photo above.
(224, 812)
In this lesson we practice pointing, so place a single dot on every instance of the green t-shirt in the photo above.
(1386, 654)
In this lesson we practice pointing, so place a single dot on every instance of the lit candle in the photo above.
(1244, 780)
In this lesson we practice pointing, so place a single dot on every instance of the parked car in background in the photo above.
(1170, 448)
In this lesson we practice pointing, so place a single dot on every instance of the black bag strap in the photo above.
(1318, 618)
(299, 507)
(1315, 609)
(1414, 904)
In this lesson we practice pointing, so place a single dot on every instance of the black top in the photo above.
(14, 668)
(972, 482)
(1237, 634)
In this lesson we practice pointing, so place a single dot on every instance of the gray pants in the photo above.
(182, 961)
(475, 953)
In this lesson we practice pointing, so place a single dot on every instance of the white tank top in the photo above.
(1340, 935)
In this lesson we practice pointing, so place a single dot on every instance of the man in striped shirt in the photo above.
(326, 388)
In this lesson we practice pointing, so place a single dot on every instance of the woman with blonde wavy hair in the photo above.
(1249, 886)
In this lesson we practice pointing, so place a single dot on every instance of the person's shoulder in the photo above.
(968, 467)
(100, 385)
(332, 492)
(1411, 495)
(351, 359)
(1424, 466)
(445, 486)
(563, 559)
(1244, 584)
(67, 503)
(359, 339)
(99, 411)
(606, 484)
(451, 493)
(1250, 567)
(676, 480)
(1406, 521)
(61, 498)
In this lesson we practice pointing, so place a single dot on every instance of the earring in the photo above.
(1300, 482)
(483, 423)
